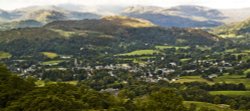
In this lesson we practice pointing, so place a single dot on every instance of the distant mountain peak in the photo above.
(38, 8)
(179, 16)
(128, 21)
(142, 9)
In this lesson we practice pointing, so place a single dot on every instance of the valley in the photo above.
(147, 58)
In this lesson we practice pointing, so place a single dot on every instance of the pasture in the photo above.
(235, 79)
(52, 62)
(216, 107)
(41, 83)
(139, 53)
(5, 55)
(231, 93)
(50, 55)
(163, 47)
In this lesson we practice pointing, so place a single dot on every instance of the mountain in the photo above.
(36, 16)
(44, 14)
(4, 15)
(97, 36)
(104, 10)
(187, 15)
(236, 15)
(236, 29)
(109, 23)
(50, 13)
(196, 12)
(19, 24)
(180, 16)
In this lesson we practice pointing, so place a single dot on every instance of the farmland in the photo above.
(42, 83)
(216, 107)
(52, 62)
(235, 79)
(163, 47)
(231, 93)
(139, 53)
(4, 55)
(50, 55)
(192, 79)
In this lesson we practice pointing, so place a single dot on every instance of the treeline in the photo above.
(216, 86)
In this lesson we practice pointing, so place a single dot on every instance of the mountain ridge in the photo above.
(67, 37)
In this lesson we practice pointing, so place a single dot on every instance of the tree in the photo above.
(192, 107)
(54, 97)
(217, 100)
(163, 100)
(12, 87)
(247, 73)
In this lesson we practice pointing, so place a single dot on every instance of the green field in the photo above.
(53, 62)
(64, 33)
(4, 55)
(50, 55)
(203, 48)
(231, 50)
(192, 79)
(185, 59)
(246, 51)
(139, 53)
(163, 47)
(235, 79)
(231, 93)
(41, 83)
(216, 107)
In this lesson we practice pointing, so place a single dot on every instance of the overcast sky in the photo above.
(221, 4)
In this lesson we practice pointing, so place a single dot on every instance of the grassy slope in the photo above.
(162, 47)
(236, 79)
(216, 107)
(233, 30)
(192, 79)
(139, 52)
(4, 55)
(41, 83)
(231, 93)
(50, 55)
(52, 62)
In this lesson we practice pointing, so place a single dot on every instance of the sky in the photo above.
(218, 4)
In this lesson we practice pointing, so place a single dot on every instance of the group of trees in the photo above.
(19, 94)
(216, 86)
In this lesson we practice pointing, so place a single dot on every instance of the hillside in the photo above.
(235, 15)
(70, 36)
(20, 24)
(180, 16)
(236, 29)
(187, 15)
(45, 14)
(4, 16)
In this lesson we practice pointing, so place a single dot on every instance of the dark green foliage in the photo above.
(163, 100)
(12, 87)
(248, 75)
(59, 97)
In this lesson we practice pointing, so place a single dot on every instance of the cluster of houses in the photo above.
(25, 68)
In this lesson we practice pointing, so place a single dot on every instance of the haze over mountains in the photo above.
(179, 16)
